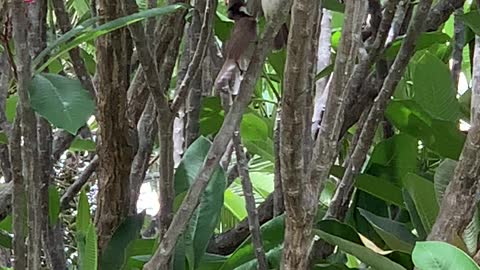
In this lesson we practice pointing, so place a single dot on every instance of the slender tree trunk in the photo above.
(114, 148)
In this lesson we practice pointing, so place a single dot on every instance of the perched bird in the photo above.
(238, 49)
(270, 8)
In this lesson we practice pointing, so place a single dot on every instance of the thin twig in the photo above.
(82, 179)
(242, 165)
(458, 44)
(197, 58)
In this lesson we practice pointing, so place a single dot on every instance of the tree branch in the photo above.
(461, 195)
(82, 179)
(231, 122)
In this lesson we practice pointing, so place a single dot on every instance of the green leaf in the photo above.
(395, 234)
(262, 183)
(84, 34)
(333, 5)
(394, 157)
(6, 240)
(235, 204)
(433, 255)
(472, 20)
(380, 188)
(211, 116)
(257, 135)
(114, 256)
(90, 257)
(11, 108)
(6, 224)
(139, 248)
(440, 136)
(83, 145)
(364, 254)
(423, 194)
(83, 220)
(205, 219)
(53, 204)
(414, 217)
(424, 41)
(62, 101)
(272, 234)
(437, 97)
(443, 175)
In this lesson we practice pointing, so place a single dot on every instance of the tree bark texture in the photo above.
(114, 149)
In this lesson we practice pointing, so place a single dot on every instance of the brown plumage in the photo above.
(239, 47)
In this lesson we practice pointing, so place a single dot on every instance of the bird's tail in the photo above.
(225, 75)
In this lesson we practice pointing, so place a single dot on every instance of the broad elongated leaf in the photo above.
(90, 258)
(440, 136)
(380, 188)
(424, 41)
(83, 219)
(91, 34)
(437, 97)
(272, 236)
(433, 255)
(62, 101)
(393, 158)
(414, 217)
(235, 204)
(82, 145)
(443, 175)
(204, 221)
(114, 256)
(395, 234)
(423, 194)
(5, 240)
(257, 135)
(363, 253)
(472, 20)
(53, 205)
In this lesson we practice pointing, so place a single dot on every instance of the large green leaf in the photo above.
(272, 234)
(205, 219)
(114, 256)
(61, 100)
(85, 33)
(443, 175)
(414, 216)
(472, 20)
(440, 136)
(83, 219)
(211, 116)
(363, 253)
(85, 234)
(433, 255)
(257, 134)
(393, 158)
(380, 188)
(5, 240)
(83, 145)
(424, 41)
(90, 258)
(437, 97)
(53, 204)
(422, 192)
(395, 234)
(139, 247)
(235, 204)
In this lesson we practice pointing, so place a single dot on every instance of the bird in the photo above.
(239, 47)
